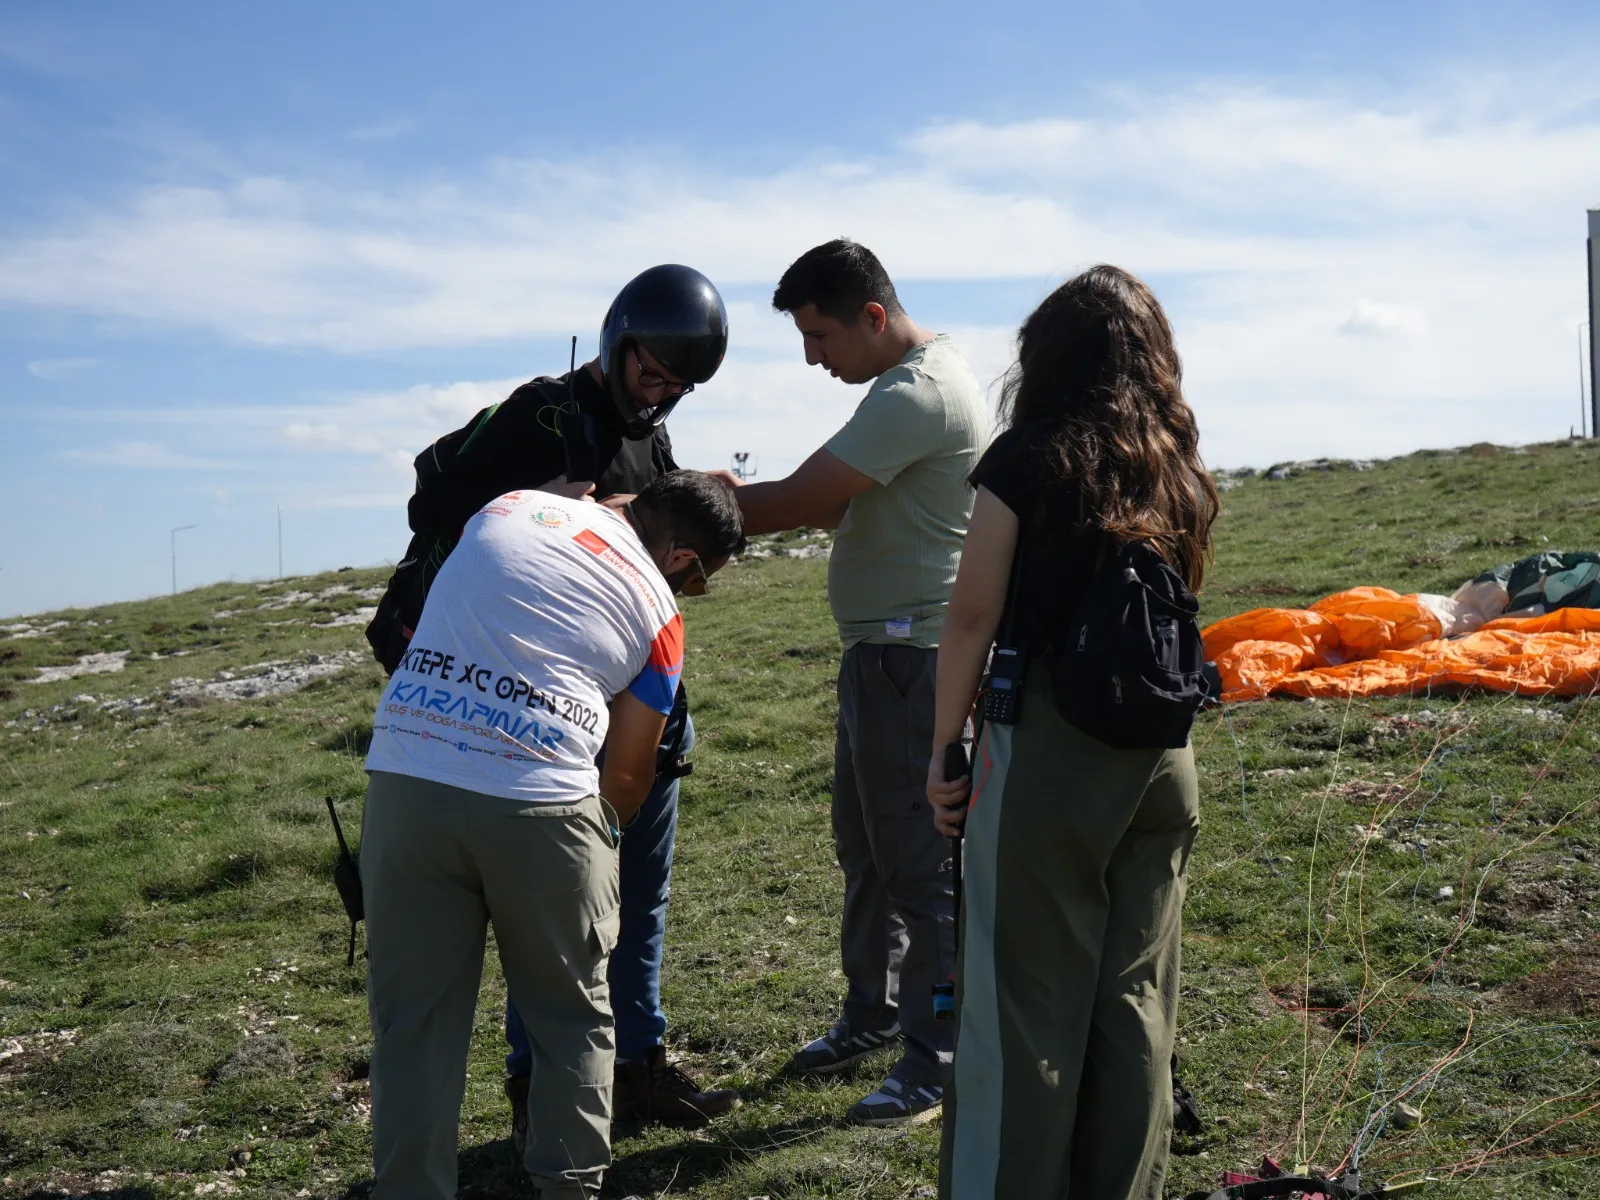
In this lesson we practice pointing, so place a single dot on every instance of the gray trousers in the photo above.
(437, 865)
(898, 936)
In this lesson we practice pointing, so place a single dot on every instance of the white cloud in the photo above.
(1273, 225)
(147, 456)
(1376, 318)
(61, 368)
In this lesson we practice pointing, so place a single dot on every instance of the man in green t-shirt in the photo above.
(893, 481)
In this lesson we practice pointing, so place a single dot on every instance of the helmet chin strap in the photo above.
(644, 422)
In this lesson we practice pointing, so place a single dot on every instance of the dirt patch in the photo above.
(1544, 897)
(1557, 898)
(23, 1055)
(1570, 984)
(1417, 725)
(1372, 792)
(269, 1056)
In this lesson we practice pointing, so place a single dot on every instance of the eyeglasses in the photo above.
(655, 379)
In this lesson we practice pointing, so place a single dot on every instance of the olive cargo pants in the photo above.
(1067, 989)
(438, 864)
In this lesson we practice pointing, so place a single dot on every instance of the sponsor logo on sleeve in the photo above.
(603, 550)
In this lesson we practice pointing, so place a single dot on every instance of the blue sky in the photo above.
(258, 256)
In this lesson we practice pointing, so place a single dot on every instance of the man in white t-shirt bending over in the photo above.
(551, 634)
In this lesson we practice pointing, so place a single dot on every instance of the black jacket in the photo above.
(547, 427)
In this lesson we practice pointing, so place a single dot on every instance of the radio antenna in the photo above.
(567, 420)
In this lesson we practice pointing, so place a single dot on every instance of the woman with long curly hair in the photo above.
(1076, 850)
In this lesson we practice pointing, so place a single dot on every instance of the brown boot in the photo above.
(517, 1093)
(652, 1089)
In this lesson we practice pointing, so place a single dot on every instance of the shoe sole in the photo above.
(842, 1064)
(921, 1118)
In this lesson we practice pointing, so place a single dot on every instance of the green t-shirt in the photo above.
(917, 434)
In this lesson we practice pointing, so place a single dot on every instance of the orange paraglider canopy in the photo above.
(1369, 641)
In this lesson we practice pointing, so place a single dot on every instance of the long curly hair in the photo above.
(1096, 365)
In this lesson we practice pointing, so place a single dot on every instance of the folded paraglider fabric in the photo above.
(1370, 641)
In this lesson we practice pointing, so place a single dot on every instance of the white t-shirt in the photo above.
(546, 610)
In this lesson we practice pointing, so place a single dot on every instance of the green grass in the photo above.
(176, 1010)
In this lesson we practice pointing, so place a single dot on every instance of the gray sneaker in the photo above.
(838, 1050)
(896, 1103)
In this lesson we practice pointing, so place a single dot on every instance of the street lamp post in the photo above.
(176, 531)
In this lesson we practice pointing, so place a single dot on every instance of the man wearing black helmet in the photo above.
(601, 424)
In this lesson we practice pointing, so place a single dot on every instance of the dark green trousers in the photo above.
(1068, 980)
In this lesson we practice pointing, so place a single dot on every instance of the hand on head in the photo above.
(578, 490)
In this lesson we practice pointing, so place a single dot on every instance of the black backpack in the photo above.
(1131, 670)
(389, 632)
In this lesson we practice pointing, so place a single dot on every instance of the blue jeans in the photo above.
(645, 867)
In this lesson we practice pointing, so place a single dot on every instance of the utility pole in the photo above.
(743, 468)
(280, 541)
(176, 531)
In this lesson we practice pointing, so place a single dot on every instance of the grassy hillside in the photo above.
(1390, 899)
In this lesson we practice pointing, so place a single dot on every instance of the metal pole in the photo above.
(1594, 320)
(280, 541)
(176, 531)
(1583, 398)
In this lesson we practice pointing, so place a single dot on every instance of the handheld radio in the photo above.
(347, 879)
(1002, 700)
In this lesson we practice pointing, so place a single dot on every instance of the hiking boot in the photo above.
(837, 1050)
(517, 1093)
(896, 1103)
(652, 1089)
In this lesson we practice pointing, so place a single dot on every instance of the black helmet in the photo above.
(674, 313)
